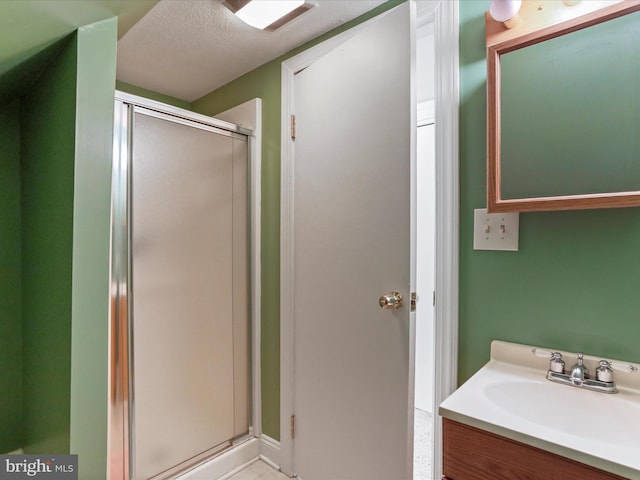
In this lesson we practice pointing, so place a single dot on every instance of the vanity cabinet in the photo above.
(473, 454)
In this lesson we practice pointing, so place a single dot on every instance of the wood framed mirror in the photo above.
(563, 107)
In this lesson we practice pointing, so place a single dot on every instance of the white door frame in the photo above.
(445, 14)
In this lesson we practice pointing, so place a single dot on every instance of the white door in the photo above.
(352, 241)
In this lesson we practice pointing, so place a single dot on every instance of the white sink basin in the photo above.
(605, 417)
(511, 396)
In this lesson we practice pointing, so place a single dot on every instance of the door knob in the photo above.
(392, 300)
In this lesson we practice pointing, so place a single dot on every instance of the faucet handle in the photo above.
(556, 364)
(604, 373)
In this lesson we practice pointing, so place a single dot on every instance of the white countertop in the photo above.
(510, 396)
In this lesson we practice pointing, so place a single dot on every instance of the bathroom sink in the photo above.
(510, 396)
(608, 419)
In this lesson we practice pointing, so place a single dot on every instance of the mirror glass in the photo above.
(566, 131)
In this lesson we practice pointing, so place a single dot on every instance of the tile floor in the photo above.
(259, 471)
(422, 451)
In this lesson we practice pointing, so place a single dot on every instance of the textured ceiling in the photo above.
(187, 48)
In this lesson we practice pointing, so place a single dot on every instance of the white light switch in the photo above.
(495, 231)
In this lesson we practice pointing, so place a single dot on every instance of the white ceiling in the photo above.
(188, 48)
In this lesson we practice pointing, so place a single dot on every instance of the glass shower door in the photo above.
(189, 289)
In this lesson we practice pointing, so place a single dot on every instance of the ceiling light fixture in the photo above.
(267, 14)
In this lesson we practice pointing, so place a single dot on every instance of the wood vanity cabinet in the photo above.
(473, 454)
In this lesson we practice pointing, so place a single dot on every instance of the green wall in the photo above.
(17, 79)
(34, 356)
(56, 121)
(10, 280)
(95, 81)
(28, 26)
(47, 157)
(572, 285)
(264, 82)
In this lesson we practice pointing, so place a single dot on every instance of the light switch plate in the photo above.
(495, 231)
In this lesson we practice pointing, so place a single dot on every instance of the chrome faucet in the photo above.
(579, 373)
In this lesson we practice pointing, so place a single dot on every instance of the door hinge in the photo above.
(414, 300)
(293, 127)
(293, 426)
(434, 298)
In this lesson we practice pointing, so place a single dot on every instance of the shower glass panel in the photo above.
(189, 299)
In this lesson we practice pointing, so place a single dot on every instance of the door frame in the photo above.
(445, 18)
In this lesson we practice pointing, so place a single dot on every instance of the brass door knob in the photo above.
(392, 300)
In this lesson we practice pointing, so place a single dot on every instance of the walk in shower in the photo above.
(181, 330)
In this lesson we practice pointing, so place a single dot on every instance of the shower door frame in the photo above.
(120, 454)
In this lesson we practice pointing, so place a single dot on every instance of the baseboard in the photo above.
(239, 457)
(226, 465)
(270, 451)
